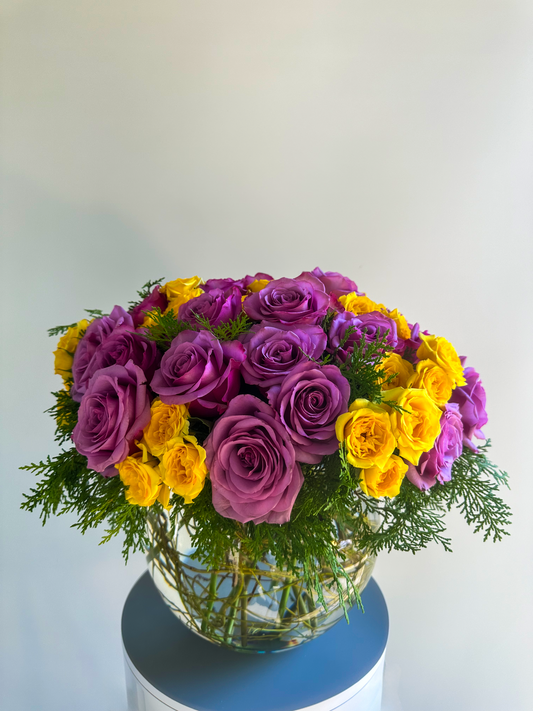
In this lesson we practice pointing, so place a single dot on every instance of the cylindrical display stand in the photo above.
(169, 667)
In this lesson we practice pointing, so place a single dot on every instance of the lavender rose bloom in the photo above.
(227, 284)
(252, 465)
(309, 402)
(96, 333)
(200, 370)
(122, 346)
(274, 351)
(216, 306)
(376, 324)
(472, 401)
(337, 334)
(335, 284)
(113, 413)
(370, 324)
(289, 301)
(154, 300)
(437, 463)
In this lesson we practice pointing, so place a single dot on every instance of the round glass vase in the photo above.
(249, 606)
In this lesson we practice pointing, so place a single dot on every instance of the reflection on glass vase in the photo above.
(249, 606)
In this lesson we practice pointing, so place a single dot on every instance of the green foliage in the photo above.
(60, 330)
(474, 490)
(306, 542)
(228, 330)
(65, 414)
(95, 313)
(66, 486)
(363, 370)
(164, 327)
(145, 291)
(414, 518)
(327, 320)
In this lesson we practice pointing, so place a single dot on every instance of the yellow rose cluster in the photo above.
(180, 291)
(169, 459)
(383, 440)
(64, 354)
(373, 433)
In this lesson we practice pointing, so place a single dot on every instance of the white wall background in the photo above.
(390, 140)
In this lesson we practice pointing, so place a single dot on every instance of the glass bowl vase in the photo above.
(249, 606)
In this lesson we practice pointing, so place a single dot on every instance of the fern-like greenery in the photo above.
(65, 414)
(66, 486)
(145, 291)
(227, 330)
(164, 327)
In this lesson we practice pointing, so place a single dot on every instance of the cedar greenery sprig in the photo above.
(66, 486)
(227, 330)
(65, 414)
(145, 291)
(59, 330)
(164, 327)
(363, 371)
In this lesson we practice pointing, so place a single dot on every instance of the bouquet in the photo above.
(290, 429)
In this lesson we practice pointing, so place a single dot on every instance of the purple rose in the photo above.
(113, 413)
(472, 400)
(96, 333)
(289, 301)
(252, 465)
(216, 306)
(308, 402)
(228, 284)
(200, 370)
(122, 346)
(274, 351)
(370, 325)
(335, 284)
(338, 343)
(437, 463)
(154, 300)
(375, 324)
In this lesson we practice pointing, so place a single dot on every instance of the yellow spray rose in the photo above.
(360, 304)
(417, 426)
(441, 352)
(164, 497)
(400, 368)
(434, 380)
(384, 482)
(180, 291)
(167, 424)
(258, 285)
(366, 429)
(402, 327)
(64, 355)
(139, 475)
(183, 468)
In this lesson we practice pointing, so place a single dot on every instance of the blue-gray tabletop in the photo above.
(204, 676)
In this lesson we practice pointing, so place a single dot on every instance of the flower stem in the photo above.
(211, 600)
(284, 599)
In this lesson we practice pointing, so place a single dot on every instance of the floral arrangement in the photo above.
(267, 411)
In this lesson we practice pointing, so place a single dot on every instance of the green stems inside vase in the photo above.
(250, 606)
